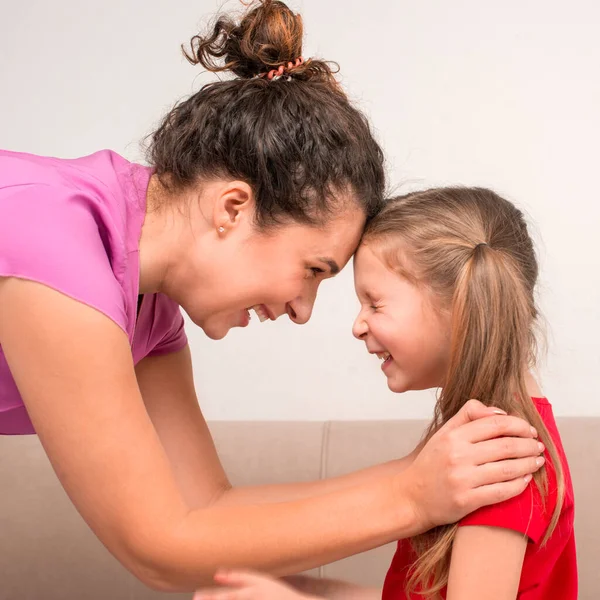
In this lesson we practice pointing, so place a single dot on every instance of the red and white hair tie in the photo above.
(276, 73)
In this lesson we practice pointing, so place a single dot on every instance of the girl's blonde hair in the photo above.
(471, 250)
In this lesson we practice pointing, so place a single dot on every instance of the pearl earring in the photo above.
(221, 229)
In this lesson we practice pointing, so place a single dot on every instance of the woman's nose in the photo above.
(300, 311)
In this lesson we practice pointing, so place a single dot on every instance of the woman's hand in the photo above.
(481, 456)
(249, 585)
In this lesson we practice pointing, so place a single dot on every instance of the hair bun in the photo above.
(268, 36)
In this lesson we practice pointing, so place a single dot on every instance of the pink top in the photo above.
(75, 225)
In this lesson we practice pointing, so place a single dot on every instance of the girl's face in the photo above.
(398, 323)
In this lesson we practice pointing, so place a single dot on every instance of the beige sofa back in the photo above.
(46, 551)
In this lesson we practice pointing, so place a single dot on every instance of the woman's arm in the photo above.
(74, 369)
(167, 387)
(486, 564)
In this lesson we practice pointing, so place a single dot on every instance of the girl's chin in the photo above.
(399, 383)
(398, 389)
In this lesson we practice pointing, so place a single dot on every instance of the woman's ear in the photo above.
(233, 204)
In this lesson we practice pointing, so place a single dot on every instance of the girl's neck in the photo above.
(531, 384)
(533, 388)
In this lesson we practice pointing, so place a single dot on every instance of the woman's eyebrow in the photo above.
(333, 266)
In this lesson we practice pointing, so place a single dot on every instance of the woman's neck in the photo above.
(156, 242)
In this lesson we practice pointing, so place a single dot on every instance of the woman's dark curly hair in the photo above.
(295, 138)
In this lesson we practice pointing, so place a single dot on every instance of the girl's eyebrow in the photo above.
(367, 294)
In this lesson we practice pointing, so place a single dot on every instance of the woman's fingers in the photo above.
(240, 577)
(486, 422)
(471, 411)
(243, 593)
(506, 470)
(488, 428)
(249, 585)
(497, 492)
(506, 448)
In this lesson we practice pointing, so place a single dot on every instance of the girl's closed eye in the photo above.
(375, 302)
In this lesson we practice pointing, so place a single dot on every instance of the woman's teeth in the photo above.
(383, 356)
(261, 313)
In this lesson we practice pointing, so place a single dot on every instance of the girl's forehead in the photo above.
(370, 261)
(371, 274)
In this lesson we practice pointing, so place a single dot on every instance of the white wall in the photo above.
(502, 94)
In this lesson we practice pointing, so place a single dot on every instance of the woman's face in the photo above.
(233, 267)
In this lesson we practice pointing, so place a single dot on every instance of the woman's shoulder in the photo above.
(73, 225)
(103, 177)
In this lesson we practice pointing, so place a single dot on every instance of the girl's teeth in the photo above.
(261, 314)
(383, 355)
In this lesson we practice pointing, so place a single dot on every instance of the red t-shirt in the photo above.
(549, 572)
